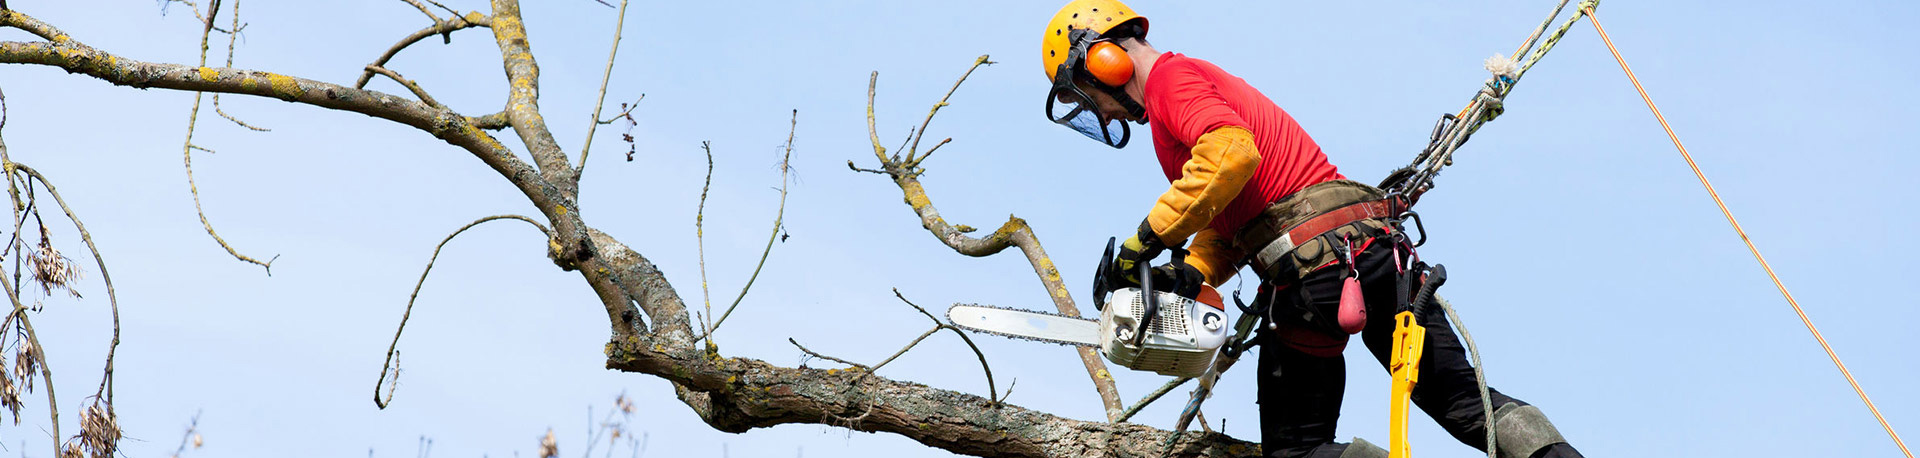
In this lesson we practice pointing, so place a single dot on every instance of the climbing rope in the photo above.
(1743, 234)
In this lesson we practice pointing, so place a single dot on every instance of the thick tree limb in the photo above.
(743, 394)
(523, 97)
(73, 56)
(1014, 233)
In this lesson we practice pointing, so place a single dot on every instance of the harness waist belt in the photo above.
(1313, 227)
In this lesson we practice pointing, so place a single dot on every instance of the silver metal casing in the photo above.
(1180, 342)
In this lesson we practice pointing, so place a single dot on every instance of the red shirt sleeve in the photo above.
(1188, 103)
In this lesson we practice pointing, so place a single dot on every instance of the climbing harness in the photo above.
(1404, 187)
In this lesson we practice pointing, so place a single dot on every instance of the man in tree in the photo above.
(1246, 181)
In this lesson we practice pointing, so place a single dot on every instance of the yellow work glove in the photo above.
(1143, 246)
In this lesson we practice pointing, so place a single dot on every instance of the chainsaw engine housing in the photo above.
(1181, 340)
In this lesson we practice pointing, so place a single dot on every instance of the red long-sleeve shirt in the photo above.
(1187, 98)
(1228, 152)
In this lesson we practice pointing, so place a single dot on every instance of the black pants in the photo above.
(1300, 393)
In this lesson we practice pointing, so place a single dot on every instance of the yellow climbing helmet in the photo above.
(1100, 16)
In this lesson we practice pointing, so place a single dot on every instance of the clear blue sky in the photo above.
(1597, 276)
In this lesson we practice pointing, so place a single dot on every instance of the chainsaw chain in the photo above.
(951, 322)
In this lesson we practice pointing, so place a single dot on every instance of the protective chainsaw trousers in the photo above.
(1300, 394)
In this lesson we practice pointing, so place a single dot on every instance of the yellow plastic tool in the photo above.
(1409, 339)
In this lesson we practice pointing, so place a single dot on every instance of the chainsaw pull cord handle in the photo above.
(1149, 298)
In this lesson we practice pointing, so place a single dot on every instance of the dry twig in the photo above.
(191, 436)
(601, 101)
(391, 366)
(779, 218)
(444, 28)
(187, 146)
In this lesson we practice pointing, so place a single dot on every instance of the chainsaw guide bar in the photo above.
(1023, 324)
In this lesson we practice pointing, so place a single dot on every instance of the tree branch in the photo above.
(523, 97)
(586, 146)
(390, 366)
(1014, 233)
(444, 28)
(415, 88)
(113, 299)
(187, 146)
(455, 129)
(743, 394)
(779, 218)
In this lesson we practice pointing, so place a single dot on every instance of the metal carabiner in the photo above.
(1415, 217)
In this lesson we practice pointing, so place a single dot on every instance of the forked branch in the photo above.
(905, 170)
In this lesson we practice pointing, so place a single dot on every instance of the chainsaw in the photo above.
(1141, 328)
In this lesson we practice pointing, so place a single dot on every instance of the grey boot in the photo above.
(1360, 448)
(1520, 431)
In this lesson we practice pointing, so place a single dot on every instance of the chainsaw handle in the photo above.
(1149, 299)
(1103, 277)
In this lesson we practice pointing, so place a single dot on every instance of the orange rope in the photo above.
(1743, 235)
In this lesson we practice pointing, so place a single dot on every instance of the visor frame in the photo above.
(1064, 88)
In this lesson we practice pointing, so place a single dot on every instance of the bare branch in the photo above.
(601, 101)
(977, 62)
(423, 9)
(1014, 233)
(625, 110)
(231, 38)
(187, 154)
(700, 239)
(443, 28)
(495, 121)
(938, 325)
(815, 354)
(37, 354)
(936, 147)
(1154, 396)
(779, 218)
(187, 146)
(552, 199)
(113, 300)
(852, 167)
(523, 98)
(903, 350)
(417, 91)
(389, 365)
(190, 437)
(444, 7)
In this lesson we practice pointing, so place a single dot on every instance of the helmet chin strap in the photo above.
(1134, 109)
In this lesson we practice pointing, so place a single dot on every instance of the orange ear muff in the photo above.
(1109, 64)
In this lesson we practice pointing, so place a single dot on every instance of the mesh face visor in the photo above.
(1068, 106)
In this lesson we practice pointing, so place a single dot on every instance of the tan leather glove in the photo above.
(1223, 160)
